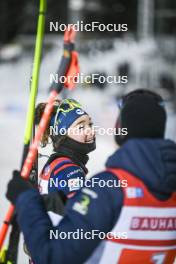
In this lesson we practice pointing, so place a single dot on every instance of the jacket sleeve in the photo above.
(91, 211)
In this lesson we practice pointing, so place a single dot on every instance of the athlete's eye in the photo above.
(81, 127)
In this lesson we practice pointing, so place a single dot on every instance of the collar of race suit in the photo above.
(74, 150)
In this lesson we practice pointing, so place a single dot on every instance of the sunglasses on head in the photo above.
(64, 106)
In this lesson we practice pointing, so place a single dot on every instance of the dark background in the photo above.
(19, 16)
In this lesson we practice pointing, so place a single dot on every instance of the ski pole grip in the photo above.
(63, 68)
(69, 38)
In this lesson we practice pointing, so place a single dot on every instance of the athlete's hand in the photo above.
(16, 186)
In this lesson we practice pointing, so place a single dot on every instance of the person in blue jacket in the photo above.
(144, 156)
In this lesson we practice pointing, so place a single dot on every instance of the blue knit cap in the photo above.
(68, 111)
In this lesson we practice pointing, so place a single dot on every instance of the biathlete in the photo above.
(73, 138)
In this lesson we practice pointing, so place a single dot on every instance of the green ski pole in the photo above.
(10, 255)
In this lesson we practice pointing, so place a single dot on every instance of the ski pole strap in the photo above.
(69, 66)
(69, 35)
(73, 71)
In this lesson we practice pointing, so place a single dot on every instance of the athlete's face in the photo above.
(82, 130)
